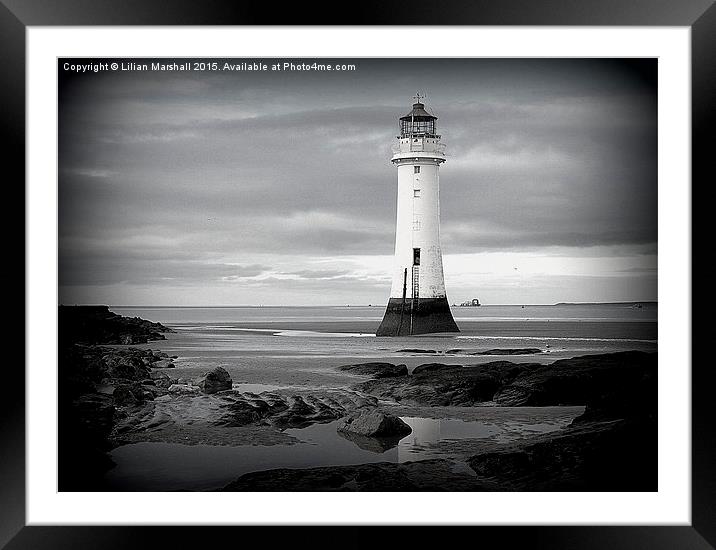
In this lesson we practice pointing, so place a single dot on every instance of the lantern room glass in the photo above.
(423, 127)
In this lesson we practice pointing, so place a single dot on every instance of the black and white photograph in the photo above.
(370, 274)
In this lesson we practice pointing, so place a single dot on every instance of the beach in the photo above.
(181, 439)
(300, 346)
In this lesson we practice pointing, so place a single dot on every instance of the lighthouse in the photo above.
(418, 303)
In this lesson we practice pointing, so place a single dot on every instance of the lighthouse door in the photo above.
(416, 273)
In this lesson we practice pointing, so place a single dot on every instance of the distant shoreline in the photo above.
(644, 303)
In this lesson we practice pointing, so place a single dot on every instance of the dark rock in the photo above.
(163, 364)
(294, 411)
(303, 411)
(167, 383)
(617, 455)
(183, 389)
(126, 366)
(98, 325)
(128, 394)
(376, 369)
(95, 412)
(437, 384)
(579, 380)
(243, 409)
(92, 379)
(214, 381)
(300, 413)
(509, 351)
(633, 397)
(423, 475)
(84, 426)
(416, 350)
(161, 380)
(612, 446)
(431, 367)
(374, 423)
(607, 378)
(85, 368)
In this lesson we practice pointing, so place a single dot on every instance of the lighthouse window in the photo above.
(416, 169)
(416, 193)
(416, 256)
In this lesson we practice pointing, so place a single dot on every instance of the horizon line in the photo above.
(226, 306)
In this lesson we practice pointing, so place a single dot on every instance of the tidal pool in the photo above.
(152, 466)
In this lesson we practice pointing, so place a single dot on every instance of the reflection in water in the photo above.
(427, 431)
(176, 467)
(373, 444)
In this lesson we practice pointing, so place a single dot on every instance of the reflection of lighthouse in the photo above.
(418, 303)
(425, 431)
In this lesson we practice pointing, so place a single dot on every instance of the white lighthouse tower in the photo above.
(418, 303)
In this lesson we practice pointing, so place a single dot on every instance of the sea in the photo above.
(284, 348)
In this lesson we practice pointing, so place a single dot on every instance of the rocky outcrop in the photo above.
(99, 325)
(432, 367)
(573, 381)
(84, 426)
(494, 351)
(99, 386)
(616, 455)
(373, 430)
(83, 368)
(126, 365)
(294, 411)
(612, 446)
(183, 389)
(578, 380)
(509, 351)
(374, 423)
(214, 381)
(423, 475)
(438, 384)
(376, 370)
(131, 394)
(161, 379)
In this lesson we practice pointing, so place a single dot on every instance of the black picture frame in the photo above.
(16, 15)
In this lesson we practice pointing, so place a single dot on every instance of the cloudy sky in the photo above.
(269, 188)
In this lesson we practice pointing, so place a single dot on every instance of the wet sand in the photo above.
(289, 356)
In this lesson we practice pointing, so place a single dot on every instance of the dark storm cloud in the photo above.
(169, 172)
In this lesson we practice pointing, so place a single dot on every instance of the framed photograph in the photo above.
(250, 302)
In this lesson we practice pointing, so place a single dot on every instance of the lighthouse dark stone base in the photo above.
(428, 315)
